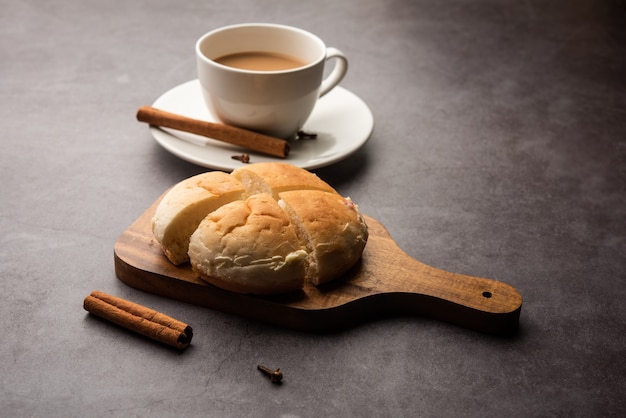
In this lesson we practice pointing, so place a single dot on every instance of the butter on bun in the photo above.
(266, 228)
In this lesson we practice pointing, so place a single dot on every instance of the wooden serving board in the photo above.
(386, 282)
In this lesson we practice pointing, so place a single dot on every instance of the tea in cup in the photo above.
(265, 77)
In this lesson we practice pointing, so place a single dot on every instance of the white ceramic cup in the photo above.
(276, 103)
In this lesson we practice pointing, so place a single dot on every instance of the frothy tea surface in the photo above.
(260, 61)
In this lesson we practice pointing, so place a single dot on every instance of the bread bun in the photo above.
(265, 228)
(331, 228)
(185, 205)
(274, 178)
(249, 247)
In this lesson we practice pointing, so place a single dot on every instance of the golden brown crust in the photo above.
(249, 247)
(333, 229)
(180, 211)
(274, 178)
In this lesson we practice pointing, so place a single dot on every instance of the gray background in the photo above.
(499, 151)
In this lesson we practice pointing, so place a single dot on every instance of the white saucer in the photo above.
(342, 121)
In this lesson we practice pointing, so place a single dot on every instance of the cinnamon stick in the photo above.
(140, 319)
(242, 137)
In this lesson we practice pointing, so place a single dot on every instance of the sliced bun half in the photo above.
(185, 205)
(249, 247)
(331, 228)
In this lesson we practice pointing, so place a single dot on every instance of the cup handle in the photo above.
(337, 74)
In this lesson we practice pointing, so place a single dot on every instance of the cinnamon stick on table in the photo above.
(140, 319)
(242, 137)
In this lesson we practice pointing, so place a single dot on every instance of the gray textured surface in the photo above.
(499, 151)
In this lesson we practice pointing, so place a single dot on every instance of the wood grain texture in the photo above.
(386, 282)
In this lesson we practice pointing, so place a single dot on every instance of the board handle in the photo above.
(472, 302)
(412, 287)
